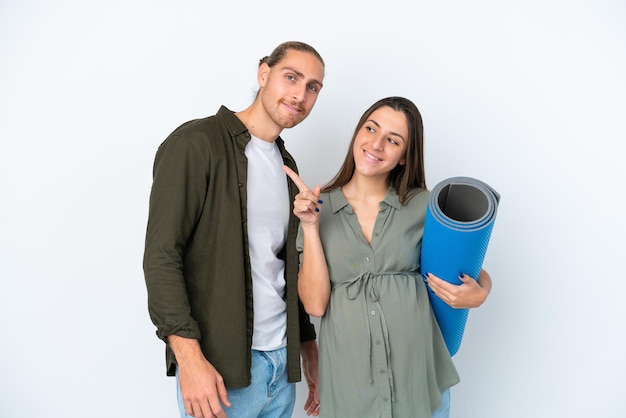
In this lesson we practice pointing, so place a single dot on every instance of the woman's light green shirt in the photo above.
(381, 353)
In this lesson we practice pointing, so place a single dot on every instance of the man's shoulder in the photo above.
(203, 131)
(200, 125)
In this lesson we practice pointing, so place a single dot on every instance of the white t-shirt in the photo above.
(268, 219)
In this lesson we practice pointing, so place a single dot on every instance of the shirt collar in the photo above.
(338, 200)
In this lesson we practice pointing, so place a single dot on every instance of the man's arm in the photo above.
(201, 385)
(176, 198)
(177, 195)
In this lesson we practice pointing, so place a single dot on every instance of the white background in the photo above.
(526, 96)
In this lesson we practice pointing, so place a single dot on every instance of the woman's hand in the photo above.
(469, 294)
(307, 204)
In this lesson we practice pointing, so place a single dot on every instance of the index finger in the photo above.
(296, 179)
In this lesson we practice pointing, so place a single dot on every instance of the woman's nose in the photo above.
(378, 142)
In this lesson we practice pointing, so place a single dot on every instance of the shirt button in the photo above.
(367, 259)
(240, 184)
(382, 371)
(377, 342)
(373, 312)
(385, 398)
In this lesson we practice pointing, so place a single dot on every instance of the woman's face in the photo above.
(381, 143)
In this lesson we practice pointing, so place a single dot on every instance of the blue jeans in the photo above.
(268, 396)
(444, 410)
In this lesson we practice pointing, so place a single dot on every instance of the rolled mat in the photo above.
(459, 220)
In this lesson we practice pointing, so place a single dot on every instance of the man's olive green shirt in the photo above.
(196, 260)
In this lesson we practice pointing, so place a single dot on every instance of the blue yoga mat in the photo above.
(459, 219)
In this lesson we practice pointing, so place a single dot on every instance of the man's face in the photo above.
(290, 88)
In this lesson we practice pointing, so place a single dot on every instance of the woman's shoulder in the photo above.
(418, 199)
(413, 197)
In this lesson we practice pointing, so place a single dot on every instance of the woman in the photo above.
(381, 353)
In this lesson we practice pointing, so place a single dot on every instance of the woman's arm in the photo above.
(313, 278)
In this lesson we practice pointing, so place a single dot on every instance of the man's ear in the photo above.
(263, 74)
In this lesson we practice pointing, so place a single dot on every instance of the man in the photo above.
(220, 260)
